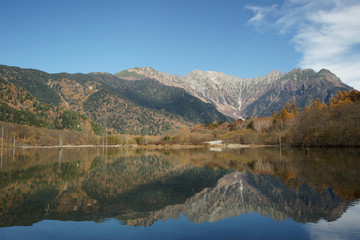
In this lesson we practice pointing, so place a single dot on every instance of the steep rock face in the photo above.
(245, 97)
(230, 94)
(298, 85)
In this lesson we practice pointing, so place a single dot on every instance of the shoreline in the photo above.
(150, 146)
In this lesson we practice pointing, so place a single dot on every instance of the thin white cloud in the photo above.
(327, 33)
(260, 13)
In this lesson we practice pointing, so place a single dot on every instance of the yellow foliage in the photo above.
(345, 97)
(317, 104)
(288, 112)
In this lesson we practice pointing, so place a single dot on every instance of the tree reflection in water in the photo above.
(140, 187)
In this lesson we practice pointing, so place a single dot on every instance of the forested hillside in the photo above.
(18, 106)
(95, 101)
(109, 109)
(36, 82)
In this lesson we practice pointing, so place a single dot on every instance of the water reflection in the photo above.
(347, 227)
(239, 193)
(140, 187)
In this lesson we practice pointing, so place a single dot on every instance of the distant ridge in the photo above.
(244, 97)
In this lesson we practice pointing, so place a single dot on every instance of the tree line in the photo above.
(336, 123)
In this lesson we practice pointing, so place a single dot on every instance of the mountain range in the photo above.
(146, 101)
(245, 97)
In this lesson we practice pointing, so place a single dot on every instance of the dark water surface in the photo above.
(185, 194)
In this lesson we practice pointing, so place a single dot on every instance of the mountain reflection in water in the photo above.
(140, 187)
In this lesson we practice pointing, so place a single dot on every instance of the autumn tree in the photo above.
(345, 97)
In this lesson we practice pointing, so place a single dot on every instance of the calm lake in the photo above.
(259, 193)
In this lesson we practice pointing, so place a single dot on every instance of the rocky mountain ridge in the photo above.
(245, 97)
(143, 100)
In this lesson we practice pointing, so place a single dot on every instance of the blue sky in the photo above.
(244, 38)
